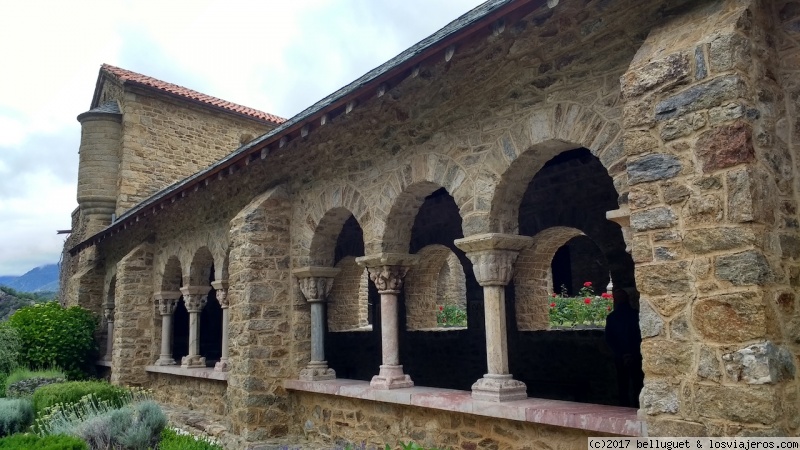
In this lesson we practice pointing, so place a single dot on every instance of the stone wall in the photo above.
(165, 140)
(348, 301)
(710, 203)
(327, 421)
(198, 394)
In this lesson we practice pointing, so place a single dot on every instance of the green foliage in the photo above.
(9, 353)
(584, 309)
(413, 446)
(136, 427)
(34, 442)
(52, 335)
(451, 316)
(16, 415)
(174, 440)
(74, 391)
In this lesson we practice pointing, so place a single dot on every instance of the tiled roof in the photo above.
(128, 76)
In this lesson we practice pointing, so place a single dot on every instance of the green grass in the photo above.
(172, 440)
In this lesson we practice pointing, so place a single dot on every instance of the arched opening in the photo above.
(452, 357)
(352, 341)
(211, 326)
(563, 209)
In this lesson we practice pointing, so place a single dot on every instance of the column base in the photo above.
(165, 361)
(499, 388)
(391, 377)
(223, 365)
(193, 362)
(317, 371)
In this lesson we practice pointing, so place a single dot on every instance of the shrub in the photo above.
(16, 415)
(34, 442)
(584, 309)
(177, 440)
(451, 316)
(73, 391)
(52, 335)
(22, 381)
(9, 351)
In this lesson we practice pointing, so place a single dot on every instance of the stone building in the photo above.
(282, 277)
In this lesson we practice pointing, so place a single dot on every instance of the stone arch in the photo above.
(533, 278)
(323, 221)
(171, 275)
(523, 150)
(405, 191)
(200, 267)
(424, 284)
(348, 301)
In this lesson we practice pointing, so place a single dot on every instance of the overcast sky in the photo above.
(276, 56)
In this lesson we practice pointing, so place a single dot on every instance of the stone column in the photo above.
(387, 270)
(316, 283)
(166, 301)
(195, 298)
(108, 313)
(223, 365)
(493, 256)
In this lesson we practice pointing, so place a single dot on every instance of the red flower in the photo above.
(606, 295)
(554, 295)
(441, 308)
(552, 305)
(609, 308)
(587, 300)
(587, 284)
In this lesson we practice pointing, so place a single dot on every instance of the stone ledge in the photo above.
(103, 363)
(207, 373)
(584, 416)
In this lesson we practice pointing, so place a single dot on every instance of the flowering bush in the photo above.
(451, 316)
(584, 309)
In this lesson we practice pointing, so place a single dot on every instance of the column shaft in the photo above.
(390, 349)
(315, 283)
(494, 306)
(166, 306)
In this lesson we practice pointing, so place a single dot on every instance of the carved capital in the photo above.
(493, 267)
(388, 279)
(108, 313)
(315, 282)
(493, 255)
(166, 301)
(387, 270)
(195, 297)
(195, 302)
(222, 293)
(222, 298)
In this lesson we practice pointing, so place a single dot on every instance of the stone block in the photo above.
(751, 196)
(650, 322)
(653, 167)
(666, 358)
(744, 268)
(675, 193)
(708, 94)
(728, 52)
(682, 126)
(663, 279)
(708, 365)
(675, 427)
(639, 141)
(762, 363)
(653, 219)
(707, 240)
(730, 318)
(659, 397)
(725, 146)
(668, 71)
(753, 404)
(725, 113)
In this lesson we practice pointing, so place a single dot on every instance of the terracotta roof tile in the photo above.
(128, 76)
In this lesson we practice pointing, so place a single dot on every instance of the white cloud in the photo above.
(279, 57)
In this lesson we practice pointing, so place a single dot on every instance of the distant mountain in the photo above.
(40, 279)
(11, 300)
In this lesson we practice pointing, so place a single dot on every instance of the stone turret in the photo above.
(101, 138)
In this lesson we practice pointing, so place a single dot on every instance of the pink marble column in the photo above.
(195, 298)
(387, 271)
(315, 284)
(223, 365)
(166, 301)
(493, 256)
